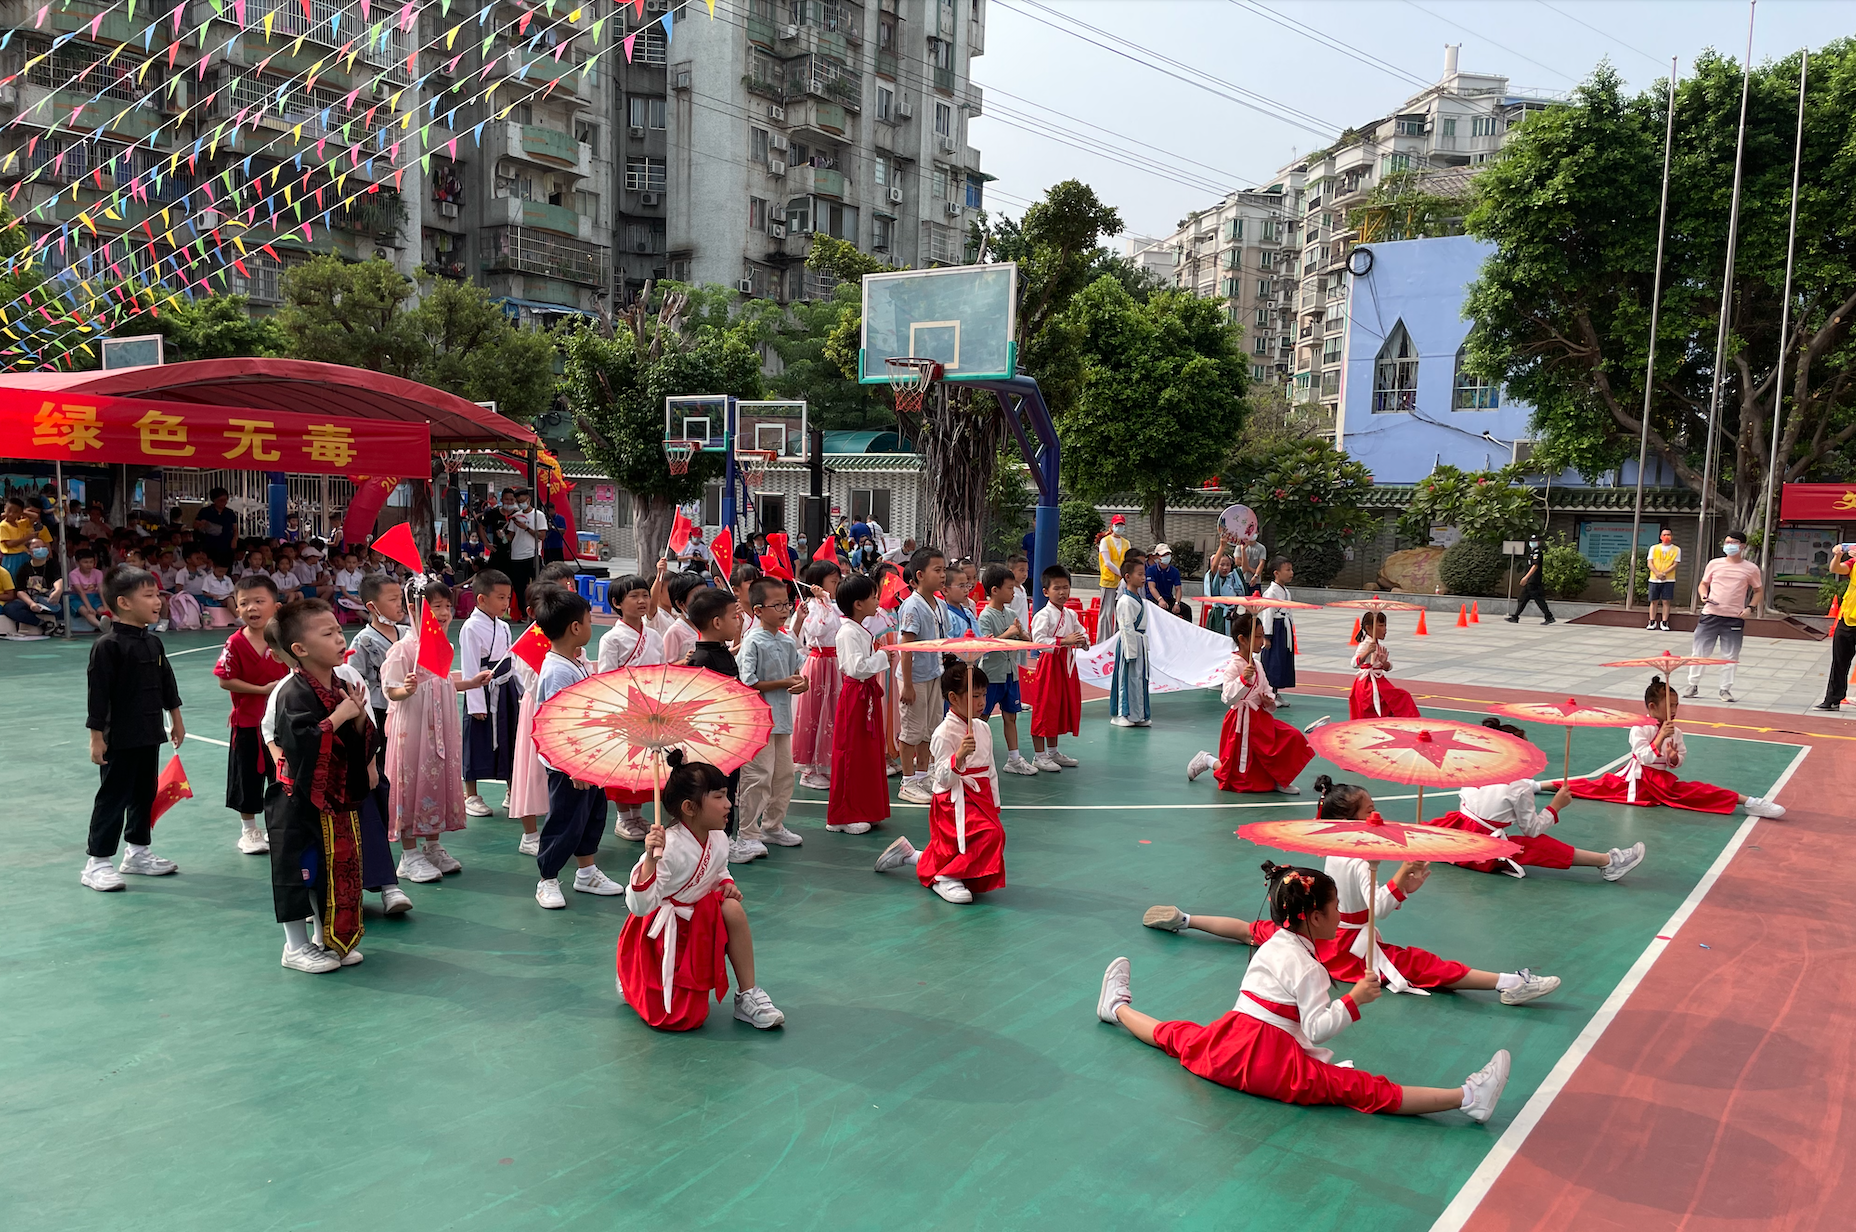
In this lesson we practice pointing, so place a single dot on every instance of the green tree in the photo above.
(1161, 395)
(1487, 506)
(351, 312)
(1562, 306)
(211, 327)
(615, 387)
(1404, 206)
(1307, 496)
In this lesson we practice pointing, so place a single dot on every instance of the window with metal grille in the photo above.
(645, 174)
(1473, 393)
(1395, 374)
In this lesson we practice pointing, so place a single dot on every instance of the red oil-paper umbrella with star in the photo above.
(1569, 714)
(615, 729)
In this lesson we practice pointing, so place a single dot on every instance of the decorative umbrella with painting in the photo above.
(1669, 661)
(1373, 840)
(967, 645)
(1569, 714)
(614, 729)
(1377, 604)
(1257, 603)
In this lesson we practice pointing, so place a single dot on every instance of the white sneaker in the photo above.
(855, 827)
(780, 836)
(915, 791)
(146, 863)
(1140, 722)
(252, 841)
(1200, 763)
(590, 880)
(310, 958)
(894, 768)
(816, 781)
(631, 829)
(393, 901)
(1623, 859)
(415, 867)
(754, 1007)
(1166, 919)
(1693, 690)
(475, 807)
(1485, 1087)
(896, 855)
(1510, 869)
(1664, 626)
(952, 889)
(548, 893)
(1288, 789)
(1117, 991)
(1759, 806)
(1651, 626)
(530, 845)
(161, 626)
(745, 850)
(1063, 759)
(1323, 721)
(101, 875)
(1727, 695)
(1016, 764)
(1046, 764)
(1119, 721)
(1531, 988)
(351, 959)
(439, 858)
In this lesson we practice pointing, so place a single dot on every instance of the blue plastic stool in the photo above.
(583, 582)
(599, 599)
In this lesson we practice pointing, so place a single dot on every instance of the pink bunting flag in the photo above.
(96, 23)
(363, 10)
(238, 11)
(176, 14)
(629, 40)
(41, 18)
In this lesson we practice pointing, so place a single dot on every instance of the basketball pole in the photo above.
(728, 481)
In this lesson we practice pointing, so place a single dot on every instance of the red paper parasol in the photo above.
(1427, 752)
(969, 644)
(1569, 714)
(1668, 661)
(614, 728)
(1376, 604)
(1257, 603)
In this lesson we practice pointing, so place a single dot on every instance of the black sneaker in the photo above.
(1833, 707)
(1549, 621)
(1514, 620)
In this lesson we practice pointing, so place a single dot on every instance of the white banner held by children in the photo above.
(1180, 655)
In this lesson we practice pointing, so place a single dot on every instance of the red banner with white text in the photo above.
(139, 431)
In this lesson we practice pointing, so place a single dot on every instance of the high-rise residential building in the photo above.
(790, 118)
(1242, 251)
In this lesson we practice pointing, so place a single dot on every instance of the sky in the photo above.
(1245, 94)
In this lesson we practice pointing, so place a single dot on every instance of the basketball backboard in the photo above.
(702, 418)
(964, 316)
(779, 426)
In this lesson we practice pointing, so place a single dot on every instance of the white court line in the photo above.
(175, 654)
(209, 740)
(1509, 1144)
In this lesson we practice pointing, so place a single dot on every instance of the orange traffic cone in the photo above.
(1836, 609)
(1353, 639)
(1462, 617)
(1475, 617)
(1422, 631)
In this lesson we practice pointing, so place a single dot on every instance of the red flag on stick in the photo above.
(531, 647)
(827, 551)
(724, 550)
(435, 653)
(170, 790)
(893, 590)
(681, 528)
(397, 546)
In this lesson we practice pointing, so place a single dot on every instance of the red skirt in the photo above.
(813, 713)
(1249, 1055)
(982, 867)
(1657, 786)
(1055, 695)
(1278, 752)
(1537, 850)
(1394, 702)
(859, 773)
(1421, 968)
(702, 947)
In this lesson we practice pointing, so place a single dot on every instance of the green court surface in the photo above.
(941, 1066)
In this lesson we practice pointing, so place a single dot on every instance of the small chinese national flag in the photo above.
(172, 788)
(827, 551)
(724, 551)
(397, 545)
(435, 653)
(892, 591)
(681, 528)
(531, 647)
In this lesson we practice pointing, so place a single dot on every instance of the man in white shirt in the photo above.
(525, 529)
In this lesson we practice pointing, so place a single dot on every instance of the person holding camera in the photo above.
(1842, 638)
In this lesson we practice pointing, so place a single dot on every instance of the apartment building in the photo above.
(791, 118)
(1243, 251)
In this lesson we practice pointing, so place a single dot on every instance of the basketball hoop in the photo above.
(678, 454)
(754, 464)
(910, 379)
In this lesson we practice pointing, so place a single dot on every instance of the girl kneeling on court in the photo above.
(1373, 696)
(1402, 968)
(686, 913)
(1268, 1044)
(966, 842)
(1256, 750)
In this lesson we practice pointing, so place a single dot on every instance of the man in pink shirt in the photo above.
(1729, 590)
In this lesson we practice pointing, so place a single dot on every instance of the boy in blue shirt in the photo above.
(576, 810)
(997, 619)
(769, 662)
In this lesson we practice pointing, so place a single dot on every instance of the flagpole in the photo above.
(64, 542)
(1727, 300)
(1778, 378)
(1649, 373)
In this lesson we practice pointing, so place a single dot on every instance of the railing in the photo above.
(524, 251)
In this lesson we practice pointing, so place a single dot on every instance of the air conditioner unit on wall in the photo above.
(650, 198)
(637, 130)
(953, 209)
(745, 286)
(905, 110)
(777, 230)
(776, 113)
(776, 167)
(447, 209)
(778, 141)
(895, 196)
(789, 32)
(1523, 452)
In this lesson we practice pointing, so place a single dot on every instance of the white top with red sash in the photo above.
(1246, 690)
(818, 625)
(954, 781)
(1354, 880)
(624, 646)
(1645, 752)
(688, 871)
(1287, 987)
(1053, 624)
(858, 656)
(1371, 662)
(1502, 806)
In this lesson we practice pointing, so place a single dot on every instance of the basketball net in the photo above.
(909, 381)
(678, 455)
(754, 464)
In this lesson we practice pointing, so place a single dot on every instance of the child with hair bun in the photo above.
(1269, 1044)
(1373, 696)
(1256, 750)
(1656, 749)
(966, 842)
(686, 913)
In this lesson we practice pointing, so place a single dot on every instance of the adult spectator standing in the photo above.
(1164, 585)
(1534, 584)
(1842, 638)
(18, 532)
(494, 523)
(554, 543)
(215, 526)
(1662, 558)
(1729, 590)
(1110, 549)
(525, 529)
